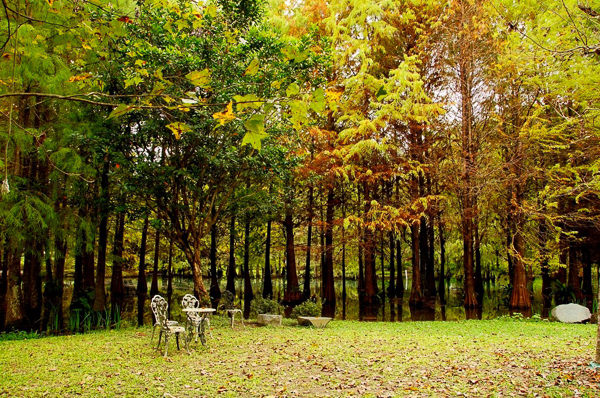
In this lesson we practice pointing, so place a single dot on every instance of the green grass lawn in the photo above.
(474, 358)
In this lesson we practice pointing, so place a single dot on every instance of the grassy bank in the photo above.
(476, 358)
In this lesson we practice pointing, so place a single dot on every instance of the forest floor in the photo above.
(469, 358)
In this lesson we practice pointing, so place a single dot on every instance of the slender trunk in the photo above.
(3, 279)
(154, 284)
(399, 268)
(142, 285)
(416, 297)
(100, 292)
(328, 308)
(14, 316)
(267, 281)
(574, 280)
(306, 291)
(215, 291)
(431, 256)
(545, 267)
(424, 257)
(117, 289)
(478, 277)
(292, 295)
(371, 300)
(392, 285)
(343, 257)
(231, 267)
(32, 285)
(199, 289)
(170, 271)
(442, 282)
(248, 294)
(586, 286)
(520, 298)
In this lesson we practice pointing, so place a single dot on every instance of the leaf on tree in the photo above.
(256, 131)
(318, 102)
(381, 93)
(252, 69)
(225, 117)
(178, 128)
(292, 89)
(200, 78)
(120, 111)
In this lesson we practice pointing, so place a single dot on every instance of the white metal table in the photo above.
(196, 322)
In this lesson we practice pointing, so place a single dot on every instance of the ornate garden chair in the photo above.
(228, 306)
(189, 301)
(153, 304)
(159, 307)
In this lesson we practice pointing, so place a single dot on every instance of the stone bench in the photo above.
(318, 322)
(268, 319)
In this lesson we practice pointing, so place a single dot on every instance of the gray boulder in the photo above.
(571, 313)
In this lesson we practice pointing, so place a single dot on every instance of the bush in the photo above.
(307, 308)
(265, 306)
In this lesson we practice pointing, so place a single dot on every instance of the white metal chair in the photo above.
(153, 304)
(228, 305)
(189, 301)
(159, 307)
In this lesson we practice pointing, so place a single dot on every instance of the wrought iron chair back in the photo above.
(160, 309)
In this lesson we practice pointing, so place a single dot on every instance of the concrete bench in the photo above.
(318, 322)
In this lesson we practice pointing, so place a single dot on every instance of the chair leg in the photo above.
(152, 338)
(177, 340)
(160, 333)
(166, 344)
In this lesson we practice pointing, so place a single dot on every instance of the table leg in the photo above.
(202, 330)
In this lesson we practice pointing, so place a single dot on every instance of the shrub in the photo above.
(307, 308)
(265, 306)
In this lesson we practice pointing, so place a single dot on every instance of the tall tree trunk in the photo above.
(117, 289)
(586, 286)
(328, 308)
(343, 256)
(154, 284)
(292, 296)
(442, 281)
(424, 257)
(399, 267)
(545, 267)
(520, 298)
(32, 285)
(371, 300)
(392, 285)
(466, 74)
(478, 278)
(416, 296)
(3, 279)
(170, 271)
(231, 266)
(267, 281)
(248, 294)
(431, 256)
(14, 297)
(100, 292)
(306, 291)
(215, 290)
(142, 285)
(574, 280)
